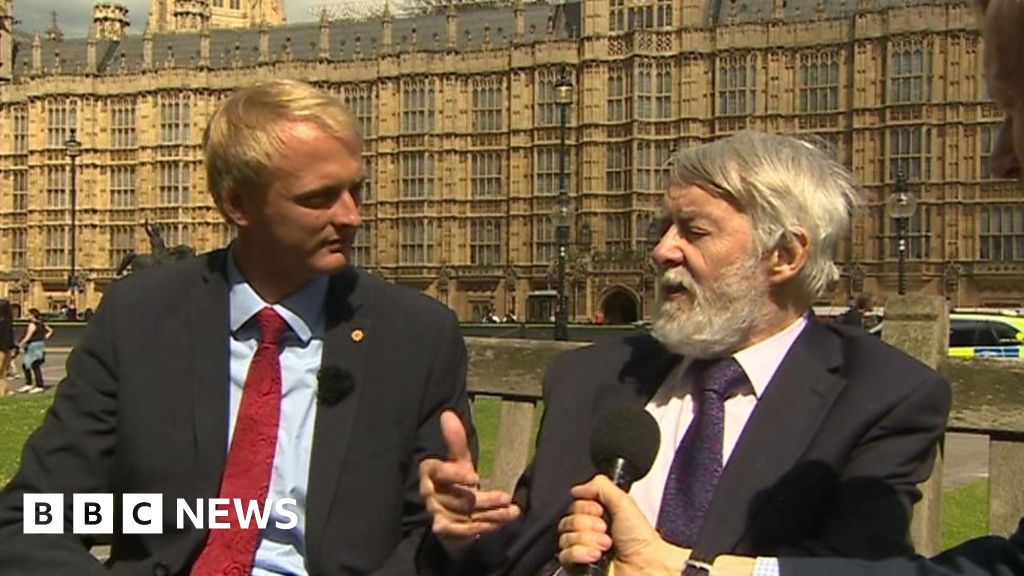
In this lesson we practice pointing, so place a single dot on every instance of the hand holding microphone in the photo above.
(623, 446)
(451, 491)
(628, 542)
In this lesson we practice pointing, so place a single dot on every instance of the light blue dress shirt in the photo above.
(281, 551)
(766, 566)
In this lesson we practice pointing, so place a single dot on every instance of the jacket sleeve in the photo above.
(445, 390)
(72, 451)
(869, 516)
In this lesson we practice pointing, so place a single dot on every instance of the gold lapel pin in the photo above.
(358, 335)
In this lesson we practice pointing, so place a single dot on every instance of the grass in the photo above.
(20, 415)
(964, 515)
(486, 415)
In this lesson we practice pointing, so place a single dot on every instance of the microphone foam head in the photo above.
(626, 432)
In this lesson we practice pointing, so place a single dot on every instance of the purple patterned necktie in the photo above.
(698, 461)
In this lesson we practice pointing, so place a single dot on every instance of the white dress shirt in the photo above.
(672, 407)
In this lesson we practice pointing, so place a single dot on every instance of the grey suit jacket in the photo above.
(827, 464)
(144, 408)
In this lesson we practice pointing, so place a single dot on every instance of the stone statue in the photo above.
(158, 252)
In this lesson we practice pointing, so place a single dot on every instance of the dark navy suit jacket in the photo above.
(144, 408)
(827, 465)
(989, 556)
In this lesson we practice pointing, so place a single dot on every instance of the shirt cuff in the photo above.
(765, 566)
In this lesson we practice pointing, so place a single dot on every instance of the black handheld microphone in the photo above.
(623, 445)
(333, 385)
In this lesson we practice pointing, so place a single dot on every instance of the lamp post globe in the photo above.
(901, 206)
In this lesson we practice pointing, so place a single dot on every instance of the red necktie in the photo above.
(251, 457)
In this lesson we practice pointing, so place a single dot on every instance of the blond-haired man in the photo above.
(269, 372)
(638, 548)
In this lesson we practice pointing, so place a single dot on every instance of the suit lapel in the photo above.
(346, 336)
(645, 370)
(785, 421)
(209, 329)
(639, 376)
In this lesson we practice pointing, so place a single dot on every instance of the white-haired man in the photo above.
(639, 550)
(778, 433)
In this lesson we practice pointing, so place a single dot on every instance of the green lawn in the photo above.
(964, 513)
(19, 416)
(486, 414)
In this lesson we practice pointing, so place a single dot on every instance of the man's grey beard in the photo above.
(722, 315)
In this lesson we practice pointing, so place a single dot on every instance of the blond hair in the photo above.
(248, 130)
(782, 183)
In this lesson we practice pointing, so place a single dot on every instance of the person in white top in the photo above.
(779, 433)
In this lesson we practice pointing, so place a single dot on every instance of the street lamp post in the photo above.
(73, 149)
(584, 242)
(564, 92)
(901, 206)
(647, 264)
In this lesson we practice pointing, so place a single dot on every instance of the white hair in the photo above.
(1001, 22)
(782, 183)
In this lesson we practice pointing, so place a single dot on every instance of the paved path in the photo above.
(966, 454)
(966, 459)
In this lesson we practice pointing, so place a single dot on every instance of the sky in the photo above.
(74, 16)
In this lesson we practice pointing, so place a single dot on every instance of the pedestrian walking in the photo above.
(33, 342)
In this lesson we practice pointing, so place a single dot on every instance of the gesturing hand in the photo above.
(451, 490)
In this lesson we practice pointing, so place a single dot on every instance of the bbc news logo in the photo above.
(144, 513)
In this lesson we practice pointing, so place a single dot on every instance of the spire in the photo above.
(264, 42)
(6, 16)
(54, 32)
(325, 36)
(37, 54)
(147, 47)
(452, 19)
(90, 50)
(386, 28)
(520, 15)
(204, 44)
(6, 41)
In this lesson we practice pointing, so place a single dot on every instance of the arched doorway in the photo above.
(620, 307)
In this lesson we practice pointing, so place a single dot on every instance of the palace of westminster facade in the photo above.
(463, 138)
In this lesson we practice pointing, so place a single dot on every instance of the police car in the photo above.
(990, 334)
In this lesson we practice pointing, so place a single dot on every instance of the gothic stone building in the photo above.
(464, 134)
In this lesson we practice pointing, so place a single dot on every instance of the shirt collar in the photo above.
(303, 310)
(759, 362)
(762, 360)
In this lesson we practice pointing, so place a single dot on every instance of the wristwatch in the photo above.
(694, 567)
